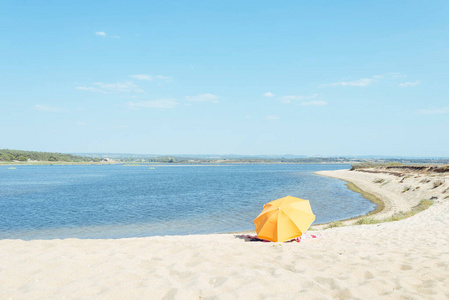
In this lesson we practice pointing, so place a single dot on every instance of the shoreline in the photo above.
(379, 202)
(394, 260)
(384, 190)
(361, 186)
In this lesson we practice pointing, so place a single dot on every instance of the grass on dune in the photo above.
(334, 224)
(423, 205)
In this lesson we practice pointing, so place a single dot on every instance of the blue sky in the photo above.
(226, 77)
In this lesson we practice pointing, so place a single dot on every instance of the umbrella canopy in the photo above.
(284, 219)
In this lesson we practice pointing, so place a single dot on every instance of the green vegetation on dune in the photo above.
(423, 205)
(380, 205)
(372, 164)
(334, 224)
(7, 155)
(417, 165)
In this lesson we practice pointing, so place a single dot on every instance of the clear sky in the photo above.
(226, 77)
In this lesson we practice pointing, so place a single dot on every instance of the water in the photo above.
(117, 201)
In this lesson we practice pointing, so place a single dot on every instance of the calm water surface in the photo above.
(117, 201)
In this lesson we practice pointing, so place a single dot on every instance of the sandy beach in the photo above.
(407, 259)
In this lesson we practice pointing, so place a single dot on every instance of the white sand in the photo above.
(408, 259)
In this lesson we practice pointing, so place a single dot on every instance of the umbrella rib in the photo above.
(266, 221)
(296, 225)
(292, 222)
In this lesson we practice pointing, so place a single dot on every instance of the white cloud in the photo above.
(434, 111)
(47, 108)
(203, 98)
(121, 87)
(313, 103)
(166, 78)
(142, 77)
(366, 81)
(359, 82)
(409, 83)
(272, 117)
(81, 124)
(269, 94)
(103, 34)
(160, 103)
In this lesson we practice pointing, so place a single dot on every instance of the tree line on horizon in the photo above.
(22, 156)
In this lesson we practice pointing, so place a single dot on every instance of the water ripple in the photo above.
(117, 201)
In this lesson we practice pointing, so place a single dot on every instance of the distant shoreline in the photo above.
(47, 163)
(168, 164)
(24, 157)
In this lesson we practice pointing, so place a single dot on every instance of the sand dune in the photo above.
(406, 259)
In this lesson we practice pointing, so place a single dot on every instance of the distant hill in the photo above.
(20, 155)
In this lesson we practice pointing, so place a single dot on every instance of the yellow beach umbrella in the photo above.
(284, 219)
